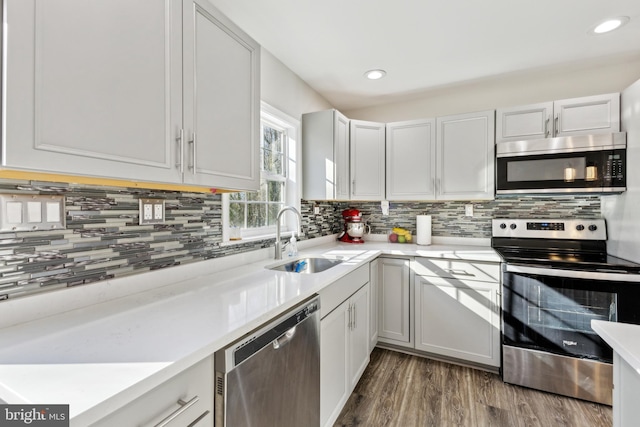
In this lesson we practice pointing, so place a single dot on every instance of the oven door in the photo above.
(570, 172)
(553, 313)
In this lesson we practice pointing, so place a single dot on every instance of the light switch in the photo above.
(53, 212)
(14, 212)
(34, 212)
(31, 212)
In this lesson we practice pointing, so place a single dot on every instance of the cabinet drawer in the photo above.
(334, 294)
(483, 272)
(188, 397)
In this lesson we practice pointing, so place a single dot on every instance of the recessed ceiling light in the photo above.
(609, 25)
(375, 74)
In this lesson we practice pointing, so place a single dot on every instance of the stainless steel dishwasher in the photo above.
(271, 377)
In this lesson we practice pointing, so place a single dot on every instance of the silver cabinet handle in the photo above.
(353, 187)
(355, 316)
(183, 407)
(180, 140)
(350, 322)
(546, 126)
(556, 125)
(192, 143)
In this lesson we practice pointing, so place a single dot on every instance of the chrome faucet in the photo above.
(278, 241)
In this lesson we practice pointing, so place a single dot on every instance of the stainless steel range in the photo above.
(556, 278)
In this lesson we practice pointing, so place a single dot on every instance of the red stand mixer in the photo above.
(354, 228)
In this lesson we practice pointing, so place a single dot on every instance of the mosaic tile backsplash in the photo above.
(449, 220)
(103, 240)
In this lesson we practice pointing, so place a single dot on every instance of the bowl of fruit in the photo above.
(400, 235)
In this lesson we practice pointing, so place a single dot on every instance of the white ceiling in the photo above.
(427, 44)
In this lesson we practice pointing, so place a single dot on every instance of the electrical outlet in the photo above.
(158, 211)
(468, 210)
(151, 211)
(316, 210)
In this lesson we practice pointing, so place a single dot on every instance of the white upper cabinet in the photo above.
(93, 88)
(411, 160)
(221, 100)
(591, 114)
(367, 160)
(576, 116)
(325, 154)
(102, 94)
(465, 156)
(525, 122)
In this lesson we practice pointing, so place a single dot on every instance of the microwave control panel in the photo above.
(614, 166)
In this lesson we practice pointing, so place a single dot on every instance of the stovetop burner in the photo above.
(565, 244)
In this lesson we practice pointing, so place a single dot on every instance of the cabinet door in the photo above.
(524, 122)
(465, 148)
(359, 334)
(411, 160)
(367, 160)
(458, 319)
(373, 304)
(334, 362)
(341, 156)
(587, 115)
(221, 100)
(394, 302)
(93, 88)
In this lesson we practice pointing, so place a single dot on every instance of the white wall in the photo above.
(622, 211)
(283, 89)
(604, 76)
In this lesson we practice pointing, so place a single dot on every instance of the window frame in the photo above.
(291, 168)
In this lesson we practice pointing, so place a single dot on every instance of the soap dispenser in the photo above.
(293, 246)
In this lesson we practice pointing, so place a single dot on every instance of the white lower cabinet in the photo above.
(394, 302)
(184, 400)
(457, 310)
(344, 353)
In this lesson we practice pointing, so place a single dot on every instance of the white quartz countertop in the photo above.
(99, 357)
(624, 339)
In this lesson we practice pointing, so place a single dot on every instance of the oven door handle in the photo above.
(573, 274)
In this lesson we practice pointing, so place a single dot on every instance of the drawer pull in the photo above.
(183, 407)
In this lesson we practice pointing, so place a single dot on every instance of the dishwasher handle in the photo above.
(284, 338)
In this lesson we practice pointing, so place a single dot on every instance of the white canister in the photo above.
(423, 229)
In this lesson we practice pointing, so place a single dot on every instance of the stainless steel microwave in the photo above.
(575, 164)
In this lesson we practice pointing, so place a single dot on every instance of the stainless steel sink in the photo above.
(308, 265)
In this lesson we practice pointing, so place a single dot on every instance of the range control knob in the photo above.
(503, 226)
(593, 227)
(513, 226)
(580, 227)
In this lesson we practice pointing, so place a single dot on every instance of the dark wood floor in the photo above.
(402, 390)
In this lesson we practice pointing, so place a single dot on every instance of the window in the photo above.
(254, 213)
